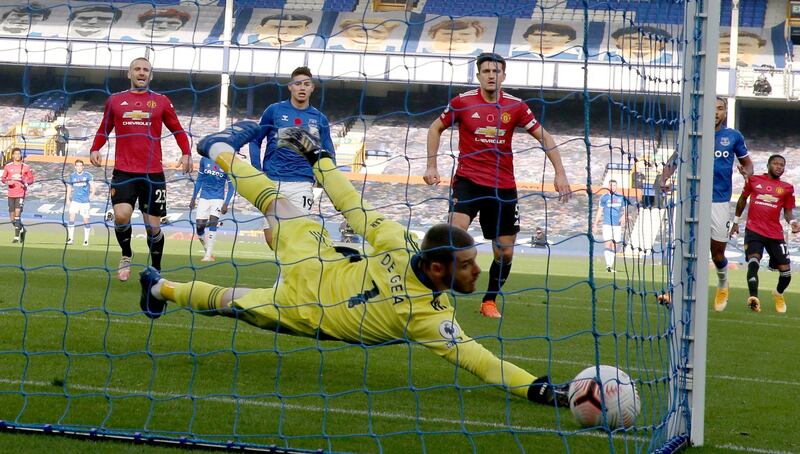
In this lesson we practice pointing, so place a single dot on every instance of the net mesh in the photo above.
(604, 78)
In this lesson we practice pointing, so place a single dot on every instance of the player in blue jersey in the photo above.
(728, 144)
(614, 213)
(79, 191)
(291, 172)
(214, 200)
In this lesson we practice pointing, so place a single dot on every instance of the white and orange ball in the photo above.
(611, 390)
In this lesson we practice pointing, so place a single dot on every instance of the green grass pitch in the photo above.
(69, 328)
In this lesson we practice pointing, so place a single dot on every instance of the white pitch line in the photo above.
(137, 321)
(345, 411)
(381, 414)
(756, 450)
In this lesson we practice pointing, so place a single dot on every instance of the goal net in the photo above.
(618, 84)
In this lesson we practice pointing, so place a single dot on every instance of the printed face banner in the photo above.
(287, 29)
(104, 21)
(640, 45)
(462, 36)
(547, 40)
(753, 49)
(377, 32)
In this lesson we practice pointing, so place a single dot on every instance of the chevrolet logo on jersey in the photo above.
(490, 131)
(769, 198)
(137, 115)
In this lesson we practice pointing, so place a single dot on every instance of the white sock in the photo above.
(218, 148)
(71, 232)
(722, 275)
(86, 232)
(156, 289)
(609, 258)
(210, 244)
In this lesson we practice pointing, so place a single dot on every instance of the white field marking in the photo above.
(381, 414)
(712, 317)
(715, 377)
(756, 450)
(138, 321)
(122, 392)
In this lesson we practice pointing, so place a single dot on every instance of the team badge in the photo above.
(151, 104)
(779, 190)
(506, 117)
(724, 141)
(450, 331)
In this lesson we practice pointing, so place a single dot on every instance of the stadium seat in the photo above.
(501, 8)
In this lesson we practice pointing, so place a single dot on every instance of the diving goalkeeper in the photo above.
(396, 293)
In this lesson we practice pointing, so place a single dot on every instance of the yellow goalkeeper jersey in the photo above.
(382, 298)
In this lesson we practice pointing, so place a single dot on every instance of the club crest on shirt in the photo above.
(151, 104)
(724, 141)
(779, 190)
(506, 117)
(450, 331)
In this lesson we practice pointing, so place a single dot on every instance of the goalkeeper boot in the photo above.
(754, 304)
(780, 302)
(489, 309)
(303, 143)
(151, 306)
(237, 135)
(721, 299)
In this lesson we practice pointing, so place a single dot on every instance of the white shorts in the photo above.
(209, 207)
(300, 193)
(612, 233)
(720, 221)
(80, 208)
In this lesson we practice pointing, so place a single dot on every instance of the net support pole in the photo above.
(733, 74)
(225, 78)
(692, 218)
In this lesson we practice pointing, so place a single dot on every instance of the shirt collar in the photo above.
(416, 266)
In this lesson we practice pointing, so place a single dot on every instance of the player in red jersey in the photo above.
(484, 180)
(18, 176)
(768, 196)
(137, 116)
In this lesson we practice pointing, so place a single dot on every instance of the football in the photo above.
(613, 390)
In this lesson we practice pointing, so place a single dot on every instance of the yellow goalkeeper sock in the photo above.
(250, 182)
(200, 296)
(345, 198)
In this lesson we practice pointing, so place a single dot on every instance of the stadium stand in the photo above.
(501, 8)
(340, 5)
